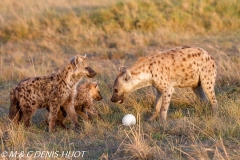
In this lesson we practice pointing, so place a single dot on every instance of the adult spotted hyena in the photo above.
(178, 67)
(83, 102)
(53, 91)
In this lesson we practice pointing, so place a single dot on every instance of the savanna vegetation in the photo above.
(38, 37)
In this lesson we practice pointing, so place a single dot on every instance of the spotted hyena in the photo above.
(53, 91)
(83, 102)
(178, 67)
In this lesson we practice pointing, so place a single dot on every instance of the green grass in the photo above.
(38, 37)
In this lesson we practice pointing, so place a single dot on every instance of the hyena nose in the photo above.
(100, 98)
(91, 72)
(94, 73)
(113, 99)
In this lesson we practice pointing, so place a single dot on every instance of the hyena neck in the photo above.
(140, 79)
(65, 75)
(74, 80)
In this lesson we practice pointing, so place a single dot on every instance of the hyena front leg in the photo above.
(92, 111)
(82, 114)
(60, 118)
(157, 105)
(52, 117)
(71, 113)
(166, 97)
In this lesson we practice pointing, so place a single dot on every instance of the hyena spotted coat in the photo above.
(53, 91)
(178, 67)
(86, 93)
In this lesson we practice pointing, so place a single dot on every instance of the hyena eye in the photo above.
(87, 68)
(116, 90)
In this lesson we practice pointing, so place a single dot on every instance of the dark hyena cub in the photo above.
(53, 91)
(83, 102)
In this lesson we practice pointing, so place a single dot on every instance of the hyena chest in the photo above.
(66, 95)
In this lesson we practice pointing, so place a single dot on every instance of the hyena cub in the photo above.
(53, 91)
(178, 67)
(83, 102)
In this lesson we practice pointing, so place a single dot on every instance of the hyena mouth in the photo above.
(99, 98)
(117, 99)
(121, 99)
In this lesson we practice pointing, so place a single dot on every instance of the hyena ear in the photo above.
(77, 59)
(95, 84)
(122, 69)
(126, 73)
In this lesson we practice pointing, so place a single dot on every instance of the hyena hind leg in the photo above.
(26, 117)
(208, 87)
(14, 110)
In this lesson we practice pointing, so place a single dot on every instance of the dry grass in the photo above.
(139, 145)
(37, 37)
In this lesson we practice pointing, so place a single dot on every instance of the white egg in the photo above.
(128, 120)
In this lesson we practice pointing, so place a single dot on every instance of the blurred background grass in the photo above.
(71, 26)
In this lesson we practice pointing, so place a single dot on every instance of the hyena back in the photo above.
(51, 91)
(178, 67)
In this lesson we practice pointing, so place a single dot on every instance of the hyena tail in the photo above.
(14, 110)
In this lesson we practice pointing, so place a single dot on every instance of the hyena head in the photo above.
(122, 85)
(95, 91)
(81, 67)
